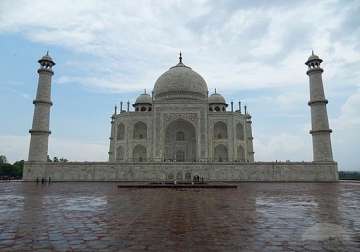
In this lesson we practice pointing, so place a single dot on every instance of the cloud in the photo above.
(230, 46)
(284, 146)
(346, 128)
(78, 150)
(25, 96)
(17, 147)
(14, 147)
(349, 117)
(241, 47)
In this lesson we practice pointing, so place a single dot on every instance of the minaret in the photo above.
(250, 146)
(112, 137)
(320, 131)
(40, 128)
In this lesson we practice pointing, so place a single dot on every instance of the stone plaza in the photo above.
(92, 216)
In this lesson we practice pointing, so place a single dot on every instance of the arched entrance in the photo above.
(180, 141)
(140, 130)
(221, 153)
(241, 153)
(188, 176)
(220, 130)
(139, 153)
(120, 154)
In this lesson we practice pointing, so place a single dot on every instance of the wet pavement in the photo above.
(253, 217)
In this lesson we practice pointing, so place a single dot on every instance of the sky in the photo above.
(250, 51)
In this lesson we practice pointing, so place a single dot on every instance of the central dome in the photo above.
(180, 82)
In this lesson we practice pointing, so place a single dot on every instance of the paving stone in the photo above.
(253, 217)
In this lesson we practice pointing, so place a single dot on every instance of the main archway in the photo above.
(221, 153)
(180, 141)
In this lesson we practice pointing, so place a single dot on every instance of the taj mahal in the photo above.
(179, 131)
(181, 123)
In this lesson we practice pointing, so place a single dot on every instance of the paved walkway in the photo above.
(253, 217)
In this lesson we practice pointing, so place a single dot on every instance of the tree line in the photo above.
(15, 170)
(10, 171)
(348, 175)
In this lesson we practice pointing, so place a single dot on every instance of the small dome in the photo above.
(313, 57)
(180, 81)
(216, 99)
(46, 58)
(144, 99)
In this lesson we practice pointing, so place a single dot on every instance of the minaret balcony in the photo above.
(324, 101)
(38, 101)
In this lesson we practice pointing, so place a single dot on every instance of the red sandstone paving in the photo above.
(253, 217)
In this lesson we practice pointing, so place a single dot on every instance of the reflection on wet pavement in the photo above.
(253, 217)
(324, 231)
(85, 203)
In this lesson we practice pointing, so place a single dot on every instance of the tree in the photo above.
(349, 175)
(3, 159)
(57, 160)
(18, 168)
(12, 171)
(6, 170)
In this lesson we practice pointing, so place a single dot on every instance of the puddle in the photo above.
(282, 208)
(282, 203)
(325, 231)
(85, 203)
(10, 203)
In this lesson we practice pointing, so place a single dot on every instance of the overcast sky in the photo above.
(110, 51)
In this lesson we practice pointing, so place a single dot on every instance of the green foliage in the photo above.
(12, 170)
(18, 167)
(3, 159)
(349, 175)
(56, 159)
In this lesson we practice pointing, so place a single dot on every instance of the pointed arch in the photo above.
(120, 153)
(180, 141)
(140, 130)
(241, 153)
(220, 130)
(239, 131)
(120, 131)
(139, 153)
(220, 153)
(188, 176)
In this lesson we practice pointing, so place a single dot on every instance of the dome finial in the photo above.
(313, 57)
(180, 57)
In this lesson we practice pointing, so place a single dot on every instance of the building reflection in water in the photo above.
(253, 217)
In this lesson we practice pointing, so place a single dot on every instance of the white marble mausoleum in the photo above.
(181, 132)
(181, 122)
